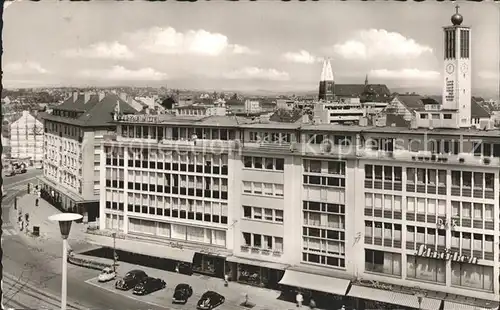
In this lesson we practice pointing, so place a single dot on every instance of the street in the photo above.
(32, 274)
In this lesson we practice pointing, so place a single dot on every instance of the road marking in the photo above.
(11, 185)
(89, 281)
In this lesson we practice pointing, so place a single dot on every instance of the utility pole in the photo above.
(114, 252)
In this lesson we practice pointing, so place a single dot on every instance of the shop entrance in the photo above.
(209, 265)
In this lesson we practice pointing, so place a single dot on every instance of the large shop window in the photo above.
(472, 275)
(383, 262)
(427, 269)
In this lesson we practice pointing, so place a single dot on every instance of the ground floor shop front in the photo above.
(67, 202)
(255, 272)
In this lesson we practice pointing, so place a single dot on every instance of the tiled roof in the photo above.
(371, 92)
(397, 120)
(477, 110)
(286, 116)
(95, 113)
(411, 102)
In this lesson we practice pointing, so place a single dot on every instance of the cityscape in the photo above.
(226, 156)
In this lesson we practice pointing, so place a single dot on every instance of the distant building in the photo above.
(26, 138)
(252, 106)
(200, 110)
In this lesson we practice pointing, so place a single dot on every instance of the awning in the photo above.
(254, 262)
(394, 298)
(450, 305)
(145, 248)
(315, 282)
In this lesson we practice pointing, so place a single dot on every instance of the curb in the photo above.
(87, 263)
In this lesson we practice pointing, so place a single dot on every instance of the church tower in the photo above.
(327, 83)
(457, 67)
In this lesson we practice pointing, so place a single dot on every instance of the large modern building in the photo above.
(376, 217)
(26, 138)
(72, 148)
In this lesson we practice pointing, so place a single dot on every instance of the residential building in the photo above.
(252, 106)
(377, 217)
(26, 138)
(72, 147)
(200, 110)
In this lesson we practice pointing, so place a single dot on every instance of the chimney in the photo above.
(86, 97)
(101, 96)
(75, 96)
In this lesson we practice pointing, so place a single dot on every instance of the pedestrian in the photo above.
(299, 298)
(226, 280)
(312, 303)
(21, 225)
(36, 202)
(177, 268)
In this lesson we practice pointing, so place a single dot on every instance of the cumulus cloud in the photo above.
(24, 68)
(103, 50)
(300, 57)
(198, 42)
(489, 75)
(405, 74)
(255, 73)
(373, 43)
(123, 74)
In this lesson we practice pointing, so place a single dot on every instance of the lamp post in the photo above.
(420, 297)
(114, 252)
(64, 220)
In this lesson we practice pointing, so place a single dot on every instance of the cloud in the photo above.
(300, 57)
(195, 42)
(405, 74)
(240, 49)
(254, 73)
(489, 75)
(24, 68)
(375, 43)
(103, 50)
(123, 74)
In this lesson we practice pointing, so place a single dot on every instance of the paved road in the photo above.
(24, 178)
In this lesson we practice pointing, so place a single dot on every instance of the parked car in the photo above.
(130, 280)
(210, 300)
(182, 293)
(149, 285)
(107, 274)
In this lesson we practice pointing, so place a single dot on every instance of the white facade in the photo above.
(26, 138)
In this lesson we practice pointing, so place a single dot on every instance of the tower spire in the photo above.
(366, 80)
(326, 72)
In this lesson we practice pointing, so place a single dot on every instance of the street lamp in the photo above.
(420, 298)
(64, 220)
(115, 257)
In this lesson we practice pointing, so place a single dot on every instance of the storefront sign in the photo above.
(424, 251)
(445, 224)
(376, 284)
(139, 118)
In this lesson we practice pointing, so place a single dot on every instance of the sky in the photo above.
(266, 45)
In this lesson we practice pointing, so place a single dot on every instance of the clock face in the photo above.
(450, 68)
(464, 68)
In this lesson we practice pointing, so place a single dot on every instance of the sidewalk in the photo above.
(38, 216)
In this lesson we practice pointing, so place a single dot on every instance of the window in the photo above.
(278, 216)
(247, 187)
(247, 161)
(280, 164)
(278, 244)
(427, 269)
(472, 275)
(268, 214)
(247, 212)
(257, 213)
(383, 262)
(247, 239)
(257, 240)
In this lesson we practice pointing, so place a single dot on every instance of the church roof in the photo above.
(327, 72)
(370, 92)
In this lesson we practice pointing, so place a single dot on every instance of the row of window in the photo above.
(334, 221)
(325, 247)
(476, 180)
(333, 139)
(324, 167)
(326, 234)
(430, 269)
(263, 214)
(422, 176)
(260, 188)
(476, 211)
(178, 232)
(387, 173)
(324, 181)
(206, 169)
(266, 163)
(177, 133)
(263, 242)
(323, 260)
(270, 137)
(323, 207)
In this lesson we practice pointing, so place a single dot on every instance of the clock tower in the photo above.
(457, 69)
